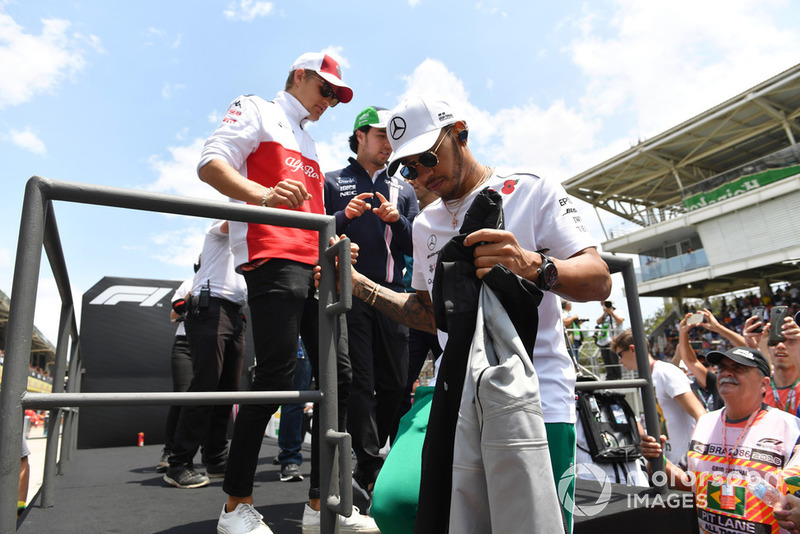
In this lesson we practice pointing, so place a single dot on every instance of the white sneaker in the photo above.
(244, 520)
(355, 524)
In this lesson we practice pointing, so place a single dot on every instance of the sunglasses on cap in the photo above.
(427, 159)
(325, 90)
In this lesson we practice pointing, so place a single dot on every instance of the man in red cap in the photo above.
(261, 154)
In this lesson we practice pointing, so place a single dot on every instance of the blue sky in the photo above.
(123, 94)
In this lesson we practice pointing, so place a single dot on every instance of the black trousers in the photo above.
(181, 380)
(611, 360)
(282, 308)
(379, 357)
(216, 342)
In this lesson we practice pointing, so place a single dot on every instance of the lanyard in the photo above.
(791, 401)
(728, 452)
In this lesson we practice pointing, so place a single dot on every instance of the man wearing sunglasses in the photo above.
(544, 240)
(261, 154)
(375, 211)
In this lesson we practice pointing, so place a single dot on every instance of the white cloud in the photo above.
(414, 3)
(248, 10)
(664, 67)
(215, 117)
(333, 154)
(47, 315)
(168, 90)
(178, 175)
(543, 140)
(28, 140)
(33, 64)
(181, 247)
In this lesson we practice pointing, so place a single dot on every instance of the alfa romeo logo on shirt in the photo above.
(397, 128)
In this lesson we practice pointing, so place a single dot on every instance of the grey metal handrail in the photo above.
(38, 229)
(645, 381)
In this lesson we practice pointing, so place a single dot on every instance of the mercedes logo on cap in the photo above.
(397, 128)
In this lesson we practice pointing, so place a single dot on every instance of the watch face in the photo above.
(550, 275)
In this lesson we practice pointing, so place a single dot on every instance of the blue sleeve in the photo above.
(332, 207)
(408, 206)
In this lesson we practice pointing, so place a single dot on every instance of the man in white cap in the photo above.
(544, 240)
(261, 154)
(375, 211)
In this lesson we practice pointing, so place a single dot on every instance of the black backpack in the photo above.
(609, 425)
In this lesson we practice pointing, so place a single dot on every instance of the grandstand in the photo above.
(43, 354)
(712, 205)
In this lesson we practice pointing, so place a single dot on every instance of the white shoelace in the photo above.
(250, 516)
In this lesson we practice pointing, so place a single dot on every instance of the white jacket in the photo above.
(502, 478)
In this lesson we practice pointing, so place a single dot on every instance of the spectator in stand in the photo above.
(680, 408)
(571, 327)
(711, 324)
(609, 324)
(720, 457)
(784, 383)
(704, 378)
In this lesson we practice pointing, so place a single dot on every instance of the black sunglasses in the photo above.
(325, 90)
(426, 159)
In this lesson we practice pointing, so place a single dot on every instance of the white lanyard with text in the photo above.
(790, 399)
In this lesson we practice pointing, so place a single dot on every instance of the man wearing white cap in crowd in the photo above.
(262, 155)
(544, 241)
(375, 211)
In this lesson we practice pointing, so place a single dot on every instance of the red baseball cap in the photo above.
(329, 69)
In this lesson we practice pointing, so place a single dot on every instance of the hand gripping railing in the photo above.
(38, 228)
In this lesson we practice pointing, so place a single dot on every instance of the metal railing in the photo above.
(38, 228)
(645, 381)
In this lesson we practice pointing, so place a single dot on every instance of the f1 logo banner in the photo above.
(144, 295)
(126, 345)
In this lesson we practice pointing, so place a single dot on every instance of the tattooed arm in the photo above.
(414, 310)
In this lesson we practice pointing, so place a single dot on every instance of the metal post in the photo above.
(51, 451)
(19, 333)
(643, 363)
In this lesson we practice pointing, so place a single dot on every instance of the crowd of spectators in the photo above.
(731, 312)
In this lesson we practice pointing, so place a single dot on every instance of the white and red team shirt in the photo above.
(265, 141)
(541, 215)
(764, 450)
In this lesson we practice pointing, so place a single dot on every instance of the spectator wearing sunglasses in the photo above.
(262, 154)
(375, 211)
(544, 241)
(678, 406)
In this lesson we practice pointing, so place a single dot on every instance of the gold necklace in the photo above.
(486, 174)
